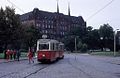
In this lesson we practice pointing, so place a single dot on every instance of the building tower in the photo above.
(57, 7)
(68, 8)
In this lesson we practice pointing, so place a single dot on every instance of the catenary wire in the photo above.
(100, 10)
(15, 6)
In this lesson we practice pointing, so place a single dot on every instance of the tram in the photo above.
(49, 50)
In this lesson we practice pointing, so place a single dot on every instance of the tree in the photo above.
(84, 48)
(2, 27)
(69, 43)
(89, 29)
(79, 45)
(92, 38)
(9, 26)
(77, 33)
(106, 33)
(31, 35)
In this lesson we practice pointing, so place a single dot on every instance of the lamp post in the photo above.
(101, 38)
(75, 44)
(115, 42)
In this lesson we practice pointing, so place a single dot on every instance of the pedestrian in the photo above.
(11, 54)
(8, 54)
(5, 55)
(14, 54)
(30, 56)
(18, 55)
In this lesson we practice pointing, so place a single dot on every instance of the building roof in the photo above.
(49, 15)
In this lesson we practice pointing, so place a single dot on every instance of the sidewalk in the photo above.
(5, 61)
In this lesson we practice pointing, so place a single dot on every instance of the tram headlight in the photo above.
(43, 55)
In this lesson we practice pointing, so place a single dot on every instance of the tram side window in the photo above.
(61, 47)
(56, 46)
(43, 46)
(52, 46)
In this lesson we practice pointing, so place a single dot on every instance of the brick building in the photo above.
(53, 24)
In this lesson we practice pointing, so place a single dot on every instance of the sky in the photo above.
(94, 12)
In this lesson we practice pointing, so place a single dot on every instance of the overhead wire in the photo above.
(87, 18)
(100, 10)
(15, 6)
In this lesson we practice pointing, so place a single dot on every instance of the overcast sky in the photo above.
(84, 8)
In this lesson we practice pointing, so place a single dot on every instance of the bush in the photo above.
(84, 48)
(1, 55)
(23, 50)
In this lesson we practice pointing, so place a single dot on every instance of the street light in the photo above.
(101, 38)
(75, 44)
(115, 42)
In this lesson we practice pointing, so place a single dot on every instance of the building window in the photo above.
(46, 31)
(63, 33)
(37, 25)
(49, 26)
(46, 25)
(43, 26)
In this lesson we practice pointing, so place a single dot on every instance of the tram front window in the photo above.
(43, 46)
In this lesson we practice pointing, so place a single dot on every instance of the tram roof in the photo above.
(48, 40)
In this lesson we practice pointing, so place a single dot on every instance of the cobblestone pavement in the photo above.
(98, 66)
(72, 66)
(6, 61)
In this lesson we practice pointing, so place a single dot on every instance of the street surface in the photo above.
(72, 66)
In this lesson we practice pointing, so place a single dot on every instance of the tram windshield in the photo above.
(43, 46)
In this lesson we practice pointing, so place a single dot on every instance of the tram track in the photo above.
(77, 68)
(16, 71)
(35, 71)
(92, 72)
(23, 69)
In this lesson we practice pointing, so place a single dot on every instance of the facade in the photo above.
(54, 25)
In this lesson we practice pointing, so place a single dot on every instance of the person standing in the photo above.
(30, 56)
(8, 54)
(18, 55)
(11, 54)
(14, 54)
(5, 55)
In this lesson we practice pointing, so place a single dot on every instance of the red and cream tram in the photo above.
(49, 50)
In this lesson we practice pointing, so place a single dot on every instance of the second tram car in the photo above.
(49, 50)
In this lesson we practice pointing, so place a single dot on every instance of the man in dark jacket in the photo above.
(18, 55)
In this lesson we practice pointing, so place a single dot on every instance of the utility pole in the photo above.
(75, 44)
(115, 42)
